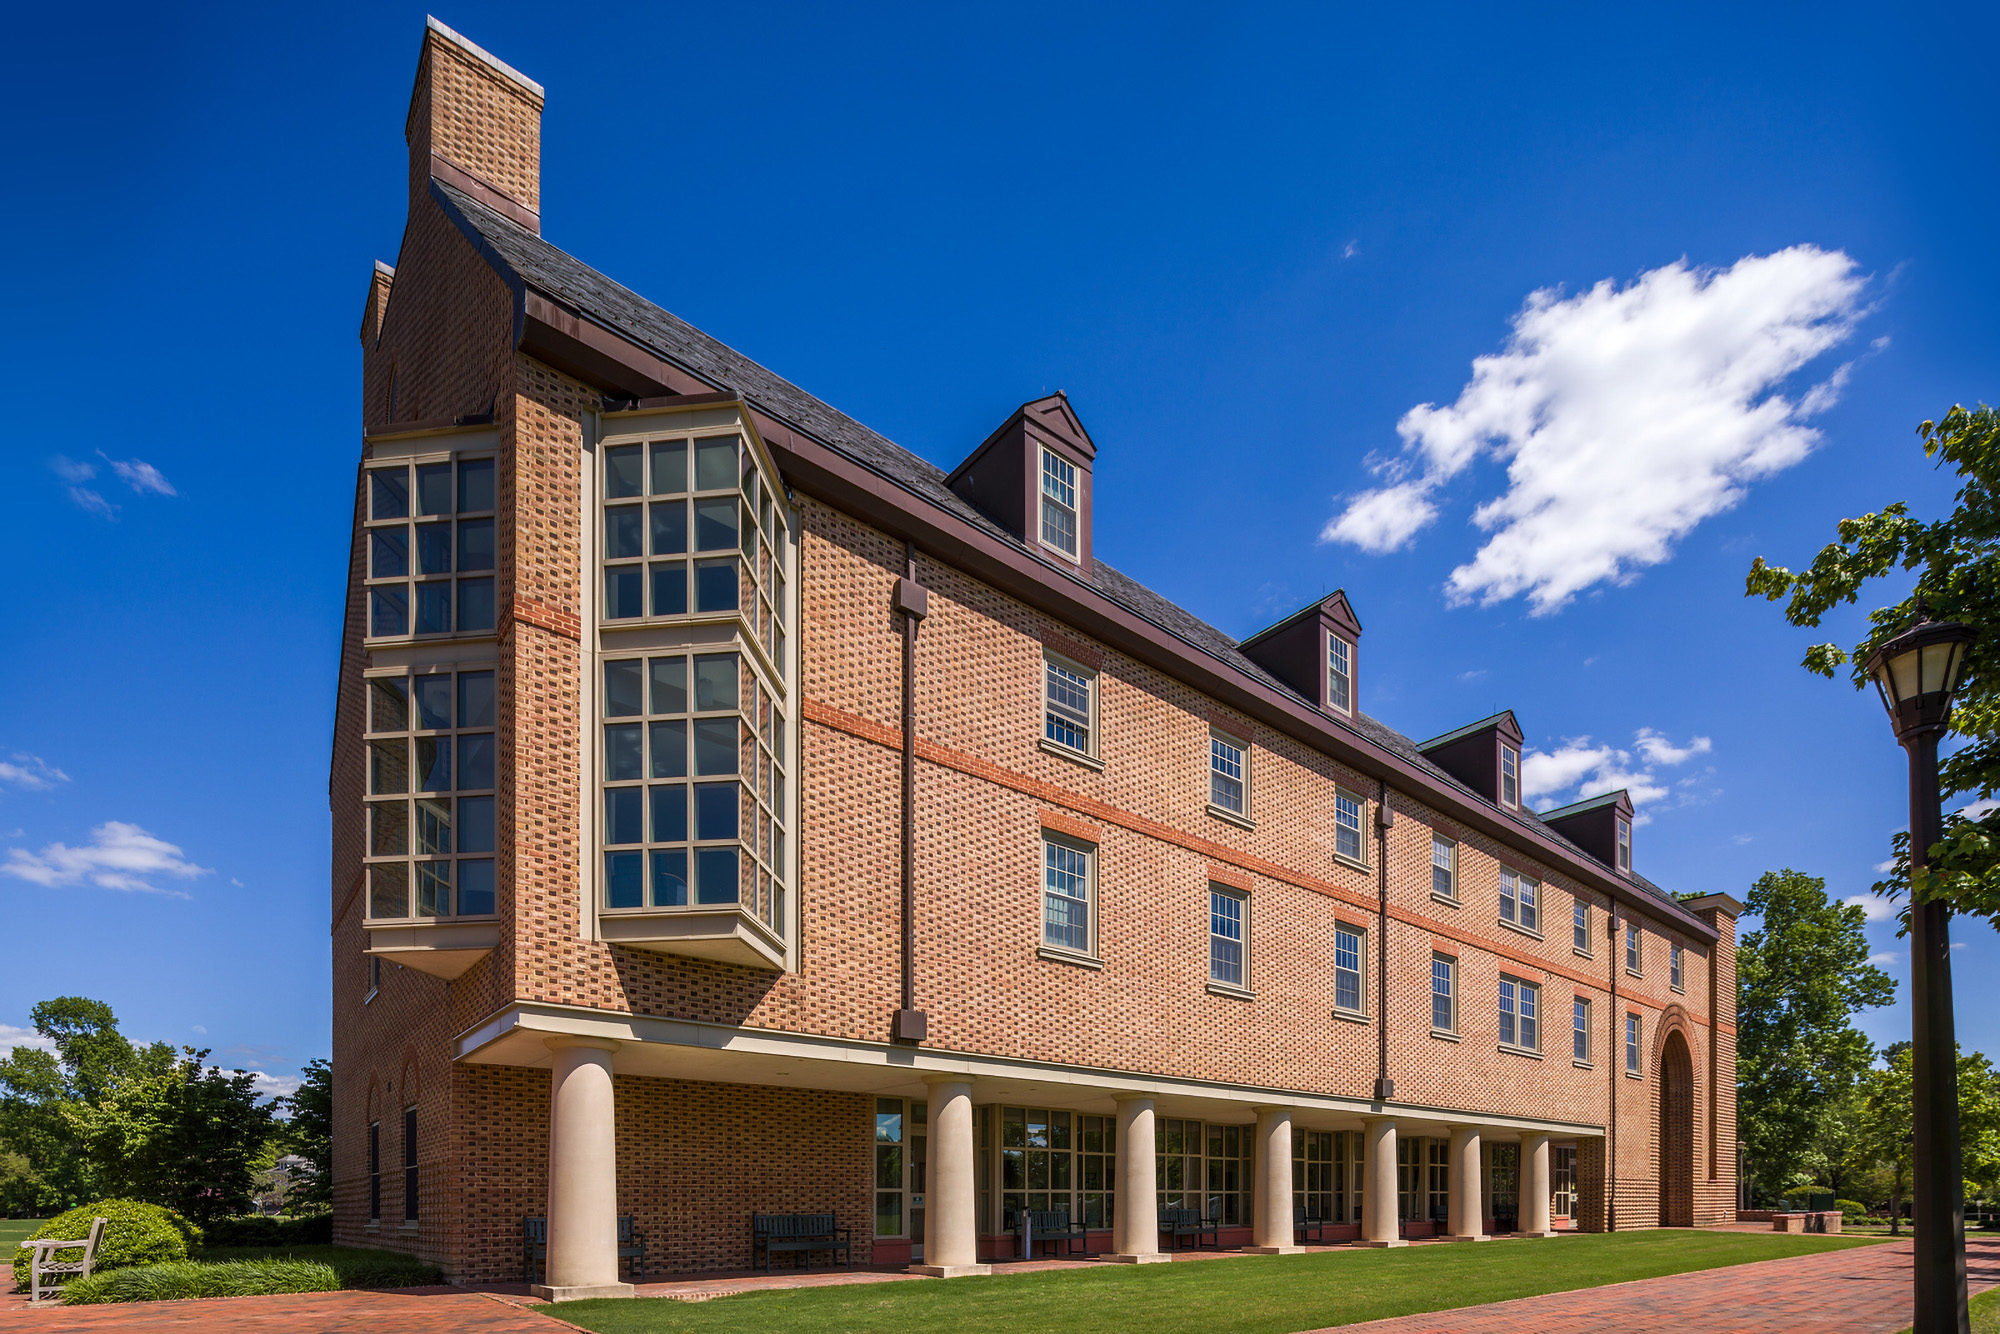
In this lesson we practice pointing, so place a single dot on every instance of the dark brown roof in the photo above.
(525, 259)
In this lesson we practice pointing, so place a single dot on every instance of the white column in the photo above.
(1135, 1232)
(1378, 1191)
(583, 1175)
(1272, 1232)
(1465, 1200)
(951, 1223)
(1535, 1186)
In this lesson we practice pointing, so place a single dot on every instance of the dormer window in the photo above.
(1339, 674)
(1625, 845)
(1510, 776)
(1058, 504)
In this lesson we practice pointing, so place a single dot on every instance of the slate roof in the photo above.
(554, 273)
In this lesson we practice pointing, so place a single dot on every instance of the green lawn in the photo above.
(1254, 1295)
(14, 1231)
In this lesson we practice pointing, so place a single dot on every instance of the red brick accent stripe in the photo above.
(1075, 828)
(827, 715)
(1229, 875)
(555, 620)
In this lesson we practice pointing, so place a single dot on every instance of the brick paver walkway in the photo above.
(413, 1311)
(1860, 1290)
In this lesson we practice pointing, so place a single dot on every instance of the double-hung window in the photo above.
(1520, 1010)
(1350, 966)
(1069, 875)
(374, 1171)
(1580, 1030)
(430, 794)
(1580, 926)
(1069, 706)
(1058, 504)
(1444, 868)
(1676, 976)
(1510, 776)
(1347, 841)
(1518, 901)
(1339, 674)
(1228, 774)
(1624, 844)
(1444, 993)
(1228, 936)
(1632, 959)
(410, 1165)
(1632, 1044)
(430, 548)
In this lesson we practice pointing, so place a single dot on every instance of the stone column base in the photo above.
(1477, 1236)
(581, 1292)
(1274, 1250)
(1550, 1233)
(1379, 1245)
(950, 1271)
(1143, 1258)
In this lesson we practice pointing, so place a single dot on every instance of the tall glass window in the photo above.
(694, 785)
(430, 547)
(1348, 957)
(1520, 1014)
(1562, 1181)
(1067, 713)
(1676, 974)
(1631, 1044)
(1339, 674)
(1227, 784)
(1632, 956)
(1444, 867)
(1580, 926)
(1052, 1159)
(430, 794)
(1204, 1167)
(1518, 901)
(1444, 993)
(1440, 1181)
(1347, 825)
(1624, 844)
(889, 1136)
(1058, 503)
(1315, 1180)
(1227, 909)
(1510, 776)
(1066, 893)
(1580, 1029)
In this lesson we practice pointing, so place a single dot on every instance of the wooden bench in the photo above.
(1052, 1225)
(43, 1265)
(535, 1246)
(1307, 1228)
(1178, 1223)
(804, 1233)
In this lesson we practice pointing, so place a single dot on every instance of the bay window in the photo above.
(430, 793)
(430, 547)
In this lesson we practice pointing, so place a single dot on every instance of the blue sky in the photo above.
(1246, 242)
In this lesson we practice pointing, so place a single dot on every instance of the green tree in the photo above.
(187, 1139)
(91, 1058)
(1886, 1125)
(1801, 975)
(1956, 562)
(309, 1134)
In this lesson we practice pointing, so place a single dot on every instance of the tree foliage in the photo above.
(309, 1134)
(1883, 1137)
(1956, 564)
(1800, 977)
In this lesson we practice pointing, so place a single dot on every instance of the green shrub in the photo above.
(268, 1230)
(1849, 1209)
(134, 1234)
(191, 1278)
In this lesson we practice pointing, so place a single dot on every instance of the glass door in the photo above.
(1503, 1197)
(919, 1144)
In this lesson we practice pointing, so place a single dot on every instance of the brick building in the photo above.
(735, 813)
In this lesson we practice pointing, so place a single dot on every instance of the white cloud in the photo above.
(139, 475)
(31, 772)
(12, 1037)
(1577, 769)
(1873, 907)
(1885, 957)
(199, 1029)
(1978, 810)
(1350, 250)
(1739, 839)
(1958, 944)
(1883, 868)
(118, 856)
(1625, 416)
(273, 1086)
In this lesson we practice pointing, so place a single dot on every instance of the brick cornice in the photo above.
(828, 715)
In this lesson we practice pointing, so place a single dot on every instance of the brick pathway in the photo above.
(412, 1311)
(1862, 1290)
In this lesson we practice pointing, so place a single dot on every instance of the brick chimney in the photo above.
(475, 123)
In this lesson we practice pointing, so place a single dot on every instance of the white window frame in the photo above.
(1218, 737)
(1359, 1010)
(1510, 775)
(1088, 851)
(1520, 902)
(1677, 967)
(1439, 843)
(1056, 488)
(1634, 1062)
(1624, 845)
(413, 800)
(1055, 712)
(1580, 1031)
(1449, 976)
(1579, 913)
(1241, 898)
(1343, 800)
(1635, 958)
(1519, 1005)
(1340, 669)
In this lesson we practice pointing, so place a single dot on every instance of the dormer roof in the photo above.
(1592, 824)
(1294, 650)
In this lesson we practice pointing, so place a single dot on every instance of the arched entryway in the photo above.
(1676, 1121)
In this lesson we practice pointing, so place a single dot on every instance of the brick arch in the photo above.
(410, 1079)
(372, 1108)
(1674, 1103)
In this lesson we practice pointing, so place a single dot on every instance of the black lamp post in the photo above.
(1917, 673)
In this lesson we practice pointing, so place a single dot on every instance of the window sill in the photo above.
(1445, 1035)
(407, 1228)
(1048, 747)
(1528, 931)
(1228, 816)
(372, 1226)
(1529, 1052)
(1633, 972)
(1633, 1074)
(1448, 900)
(373, 642)
(1056, 954)
(1352, 863)
(1228, 989)
(1352, 1017)
(1677, 990)
(1582, 954)
(1583, 1065)
(373, 992)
